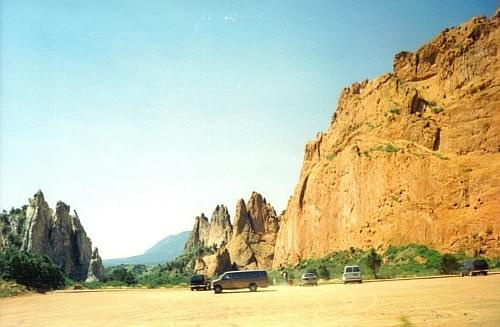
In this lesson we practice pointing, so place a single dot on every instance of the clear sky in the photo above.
(143, 114)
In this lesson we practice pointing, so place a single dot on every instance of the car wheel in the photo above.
(360, 282)
(485, 273)
(462, 274)
(217, 289)
(253, 287)
(192, 289)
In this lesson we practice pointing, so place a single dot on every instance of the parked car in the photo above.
(199, 282)
(308, 279)
(352, 274)
(474, 267)
(231, 280)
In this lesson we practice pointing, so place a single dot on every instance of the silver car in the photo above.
(309, 279)
(352, 274)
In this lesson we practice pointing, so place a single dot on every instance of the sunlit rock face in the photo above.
(410, 157)
(247, 244)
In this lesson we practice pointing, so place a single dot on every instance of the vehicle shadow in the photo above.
(245, 291)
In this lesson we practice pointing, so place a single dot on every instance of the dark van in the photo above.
(474, 267)
(233, 280)
(199, 282)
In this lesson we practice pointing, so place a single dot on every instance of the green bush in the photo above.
(390, 148)
(449, 264)
(323, 272)
(436, 109)
(440, 155)
(121, 274)
(30, 269)
(373, 261)
(395, 111)
(13, 226)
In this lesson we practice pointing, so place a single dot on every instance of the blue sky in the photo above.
(143, 114)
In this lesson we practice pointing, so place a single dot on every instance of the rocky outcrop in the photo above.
(59, 235)
(216, 233)
(255, 228)
(199, 233)
(214, 264)
(96, 271)
(247, 244)
(220, 227)
(412, 156)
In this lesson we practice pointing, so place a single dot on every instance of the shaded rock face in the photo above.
(214, 264)
(216, 232)
(59, 235)
(412, 156)
(248, 244)
(96, 268)
(199, 234)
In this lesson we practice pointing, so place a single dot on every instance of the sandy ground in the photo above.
(434, 302)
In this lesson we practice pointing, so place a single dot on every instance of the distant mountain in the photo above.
(165, 250)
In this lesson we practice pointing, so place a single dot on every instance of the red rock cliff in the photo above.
(412, 156)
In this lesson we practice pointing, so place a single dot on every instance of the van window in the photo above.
(197, 279)
(348, 269)
(355, 269)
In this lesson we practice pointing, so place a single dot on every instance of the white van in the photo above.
(352, 274)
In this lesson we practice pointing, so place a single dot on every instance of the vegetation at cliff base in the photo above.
(173, 273)
(410, 260)
(396, 261)
(30, 269)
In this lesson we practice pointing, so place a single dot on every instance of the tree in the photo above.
(323, 272)
(123, 275)
(30, 269)
(449, 264)
(373, 261)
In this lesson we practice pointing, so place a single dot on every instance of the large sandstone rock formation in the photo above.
(59, 235)
(255, 228)
(96, 268)
(247, 244)
(216, 232)
(411, 156)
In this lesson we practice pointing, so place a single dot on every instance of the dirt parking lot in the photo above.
(432, 302)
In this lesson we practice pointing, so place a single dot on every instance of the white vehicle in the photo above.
(352, 274)
(309, 279)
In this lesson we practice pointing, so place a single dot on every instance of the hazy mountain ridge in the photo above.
(165, 250)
